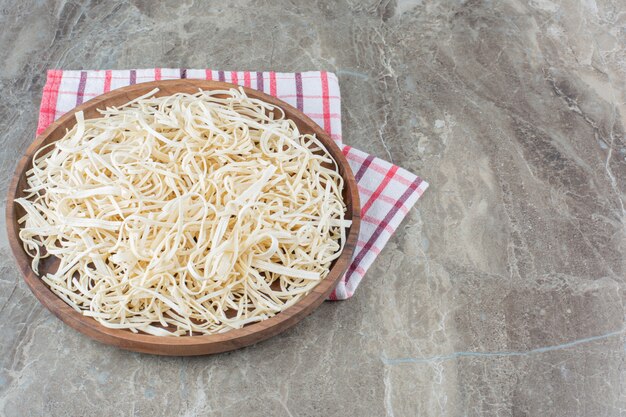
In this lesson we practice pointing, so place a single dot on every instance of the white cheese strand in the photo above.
(184, 214)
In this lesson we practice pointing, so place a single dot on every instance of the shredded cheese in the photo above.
(184, 214)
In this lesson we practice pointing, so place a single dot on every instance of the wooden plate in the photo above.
(185, 345)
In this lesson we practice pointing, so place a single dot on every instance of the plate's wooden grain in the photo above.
(186, 345)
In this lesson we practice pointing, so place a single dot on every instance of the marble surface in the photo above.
(503, 292)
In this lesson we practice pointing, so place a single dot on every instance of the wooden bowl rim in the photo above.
(184, 345)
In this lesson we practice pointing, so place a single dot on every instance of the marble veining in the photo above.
(502, 294)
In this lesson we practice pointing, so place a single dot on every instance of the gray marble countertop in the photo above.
(502, 294)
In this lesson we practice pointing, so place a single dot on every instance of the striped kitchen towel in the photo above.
(387, 191)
